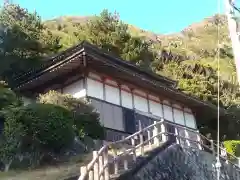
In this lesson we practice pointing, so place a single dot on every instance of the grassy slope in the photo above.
(58, 172)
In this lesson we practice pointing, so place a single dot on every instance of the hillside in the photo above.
(196, 43)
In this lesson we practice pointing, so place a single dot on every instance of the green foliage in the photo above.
(85, 117)
(23, 40)
(34, 131)
(47, 126)
(233, 147)
(7, 97)
(107, 31)
(10, 140)
(66, 101)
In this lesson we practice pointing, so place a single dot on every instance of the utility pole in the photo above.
(234, 31)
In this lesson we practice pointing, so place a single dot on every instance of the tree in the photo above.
(108, 32)
(23, 40)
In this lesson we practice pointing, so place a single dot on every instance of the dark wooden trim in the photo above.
(56, 80)
(120, 94)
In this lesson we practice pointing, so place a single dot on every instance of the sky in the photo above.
(159, 16)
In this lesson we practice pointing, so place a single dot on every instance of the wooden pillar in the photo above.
(155, 133)
(212, 147)
(96, 167)
(134, 150)
(141, 138)
(83, 171)
(105, 161)
(176, 136)
(163, 130)
(199, 140)
(100, 165)
(238, 161)
(186, 136)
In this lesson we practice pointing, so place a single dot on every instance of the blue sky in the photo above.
(159, 16)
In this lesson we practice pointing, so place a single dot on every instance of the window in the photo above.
(129, 120)
(144, 120)
(98, 107)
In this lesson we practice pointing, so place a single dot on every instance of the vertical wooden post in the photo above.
(186, 136)
(83, 171)
(199, 140)
(163, 130)
(139, 125)
(155, 133)
(212, 147)
(96, 167)
(238, 161)
(115, 163)
(125, 163)
(149, 139)
(105, 161)
(141, 138)
(134, 150)
(91, 177)
(176, 136)
(100, 166)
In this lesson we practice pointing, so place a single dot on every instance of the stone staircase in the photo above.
(116, 158)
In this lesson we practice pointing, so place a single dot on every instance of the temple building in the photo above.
(125, 95)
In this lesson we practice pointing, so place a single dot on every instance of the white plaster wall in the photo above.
(190, 120)
(140, 103)
(156, 108)
(168, 113)
(94, 88)
(76, 89)
(112, 94)
(178, 116)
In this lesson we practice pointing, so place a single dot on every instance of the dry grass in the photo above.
(60, 172)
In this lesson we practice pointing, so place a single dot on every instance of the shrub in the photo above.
(233, 147)
(65, 100)
(48, 127)
(7, 97)
(89, 124)
(10, 140)
(86, 120)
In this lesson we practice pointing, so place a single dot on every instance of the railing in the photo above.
(117, 157)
